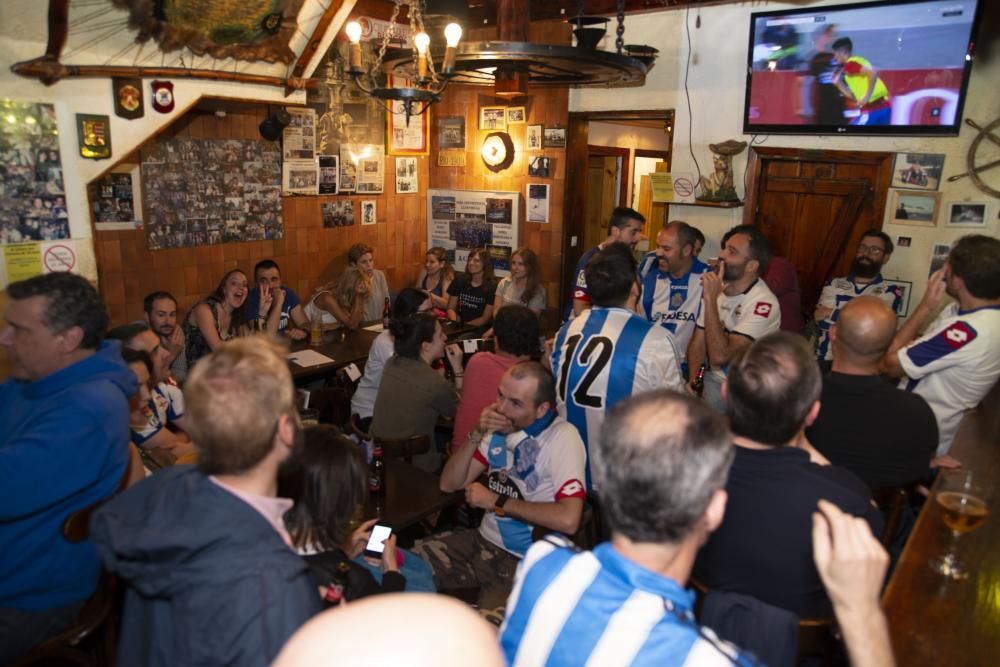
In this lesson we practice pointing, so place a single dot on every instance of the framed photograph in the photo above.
(338, 213)
(904, 287)
(915, 208)
(451, 132)
(493, 118)
(368, 212)
(538, 202)
(939, 255)
(966, 214)
(904, 241)
(406, 175)
(406, 136)
(541, 166)
(554, 137)
(516, 115)
(917, 171)
(329, 173)
(534, 138)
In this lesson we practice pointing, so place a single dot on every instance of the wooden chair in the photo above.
(92, 639)
(333, 404)
(403, 448)
(587, 535)
(892, 501)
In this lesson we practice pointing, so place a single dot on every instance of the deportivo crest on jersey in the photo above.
(762, 308)
(677, 299)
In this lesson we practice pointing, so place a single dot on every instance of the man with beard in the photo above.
(203, 550)
(161, 316)
(738, 308)
(957, 360)
(865, 277)
(671, 288)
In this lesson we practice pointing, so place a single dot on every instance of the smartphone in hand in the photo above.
(375, 546)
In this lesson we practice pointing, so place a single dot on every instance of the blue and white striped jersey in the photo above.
(604, 356)
(673, 303)
(600, 609)
(166, 404)
(837, 292)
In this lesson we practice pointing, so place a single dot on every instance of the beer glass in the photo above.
(961, 500)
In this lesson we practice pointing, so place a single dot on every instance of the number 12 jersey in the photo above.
(604, 356)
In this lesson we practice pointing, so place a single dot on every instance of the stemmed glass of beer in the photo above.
(961, 500)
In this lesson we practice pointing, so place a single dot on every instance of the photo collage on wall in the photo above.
(32, 199)
(462, 220)
(112, 199)
(204, 192)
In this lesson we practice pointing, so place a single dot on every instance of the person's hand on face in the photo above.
(711, 282)
(935, 288)
(491, 420)
(266, 299)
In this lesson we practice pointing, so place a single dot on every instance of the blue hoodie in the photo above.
(63, 446)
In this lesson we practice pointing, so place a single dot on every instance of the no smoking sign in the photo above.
(59, 258)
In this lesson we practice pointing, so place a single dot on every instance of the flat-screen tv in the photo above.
(897, 67)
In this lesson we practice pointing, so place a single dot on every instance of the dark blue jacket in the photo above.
(210, 582)
(64, 443)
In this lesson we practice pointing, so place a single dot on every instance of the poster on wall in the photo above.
(406, 135)
(299, 177)
(462, 220)
(406, 175)
(538, 202)
(362, 168)
(32, 200)
(298, 139)
(329, 174)
(205, 192)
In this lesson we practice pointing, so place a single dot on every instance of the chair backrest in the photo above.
(333, 404)
(892, 501)
(587, 535)
(403, 448)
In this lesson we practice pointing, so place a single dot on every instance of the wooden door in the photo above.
(814, 205)
(602, 198)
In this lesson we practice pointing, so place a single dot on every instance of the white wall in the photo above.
(631, 137)
(93, 96)
(716, 84)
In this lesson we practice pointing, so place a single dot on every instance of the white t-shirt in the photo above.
(753, 313)
(954, 365)
(604, 356)
(509, 294)
(363, 401)
(542, 463)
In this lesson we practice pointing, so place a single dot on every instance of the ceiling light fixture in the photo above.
(428, 84)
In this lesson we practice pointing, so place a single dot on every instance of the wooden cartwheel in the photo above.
(975, 172)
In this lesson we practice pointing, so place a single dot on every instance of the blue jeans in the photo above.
(419, 577)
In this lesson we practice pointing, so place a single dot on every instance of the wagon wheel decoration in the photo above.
(976, 172)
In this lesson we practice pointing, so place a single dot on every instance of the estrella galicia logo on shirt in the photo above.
(762, 308)
(959, 335)
(500, 482)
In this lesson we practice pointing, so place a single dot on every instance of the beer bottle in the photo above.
(376, 479)
(386, 313)
(699, 381)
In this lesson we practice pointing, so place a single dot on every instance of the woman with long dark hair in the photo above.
(471, 295)
(523, 286)
(437, 277)
(221, 316)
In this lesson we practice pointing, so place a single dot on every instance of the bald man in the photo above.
(884, 435)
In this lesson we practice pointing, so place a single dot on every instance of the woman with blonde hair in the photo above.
(340, 303)
(437, 277)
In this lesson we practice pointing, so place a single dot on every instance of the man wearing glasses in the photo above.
(865, 277)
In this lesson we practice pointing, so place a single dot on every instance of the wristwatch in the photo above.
(498, 505)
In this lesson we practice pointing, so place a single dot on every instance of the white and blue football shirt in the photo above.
(954, 365)
(598, 608)
(838, 292)
(673, 303)
(604, 356)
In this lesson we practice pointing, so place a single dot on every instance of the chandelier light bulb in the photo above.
(353, 31)
(452, 34)
(421, 41)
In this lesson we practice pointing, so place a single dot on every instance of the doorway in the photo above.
(814, 205)
(600, 175)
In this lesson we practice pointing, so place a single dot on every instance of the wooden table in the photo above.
(341, 345)
(934, 620)
(411, 495)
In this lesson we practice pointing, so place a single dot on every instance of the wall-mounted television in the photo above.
(891, 67)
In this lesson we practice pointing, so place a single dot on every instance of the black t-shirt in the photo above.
(472, 299)
(884, 435)
(764, 546)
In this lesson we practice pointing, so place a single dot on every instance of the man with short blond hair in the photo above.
(206, 547)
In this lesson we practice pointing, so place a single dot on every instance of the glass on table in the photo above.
(961, 499)
(309, 416)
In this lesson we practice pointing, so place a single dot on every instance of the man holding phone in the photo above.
(535, 462)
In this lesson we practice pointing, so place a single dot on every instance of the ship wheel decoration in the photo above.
(977, 172)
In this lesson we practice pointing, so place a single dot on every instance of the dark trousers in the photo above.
(21, 630)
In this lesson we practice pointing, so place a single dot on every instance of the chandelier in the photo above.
(428, 84)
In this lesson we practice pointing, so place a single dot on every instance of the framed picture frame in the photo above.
(966, 214)
(516, 115)
(93, 136)
(402, 137)
(905, 287)
(541, 166)
(537, 202)
(533, 139)
(554, 137)
(451, 132)
(919, 209)
(917, 171)
(369, 214)
(493, 118)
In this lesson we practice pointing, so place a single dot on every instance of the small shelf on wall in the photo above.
(709, 204)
